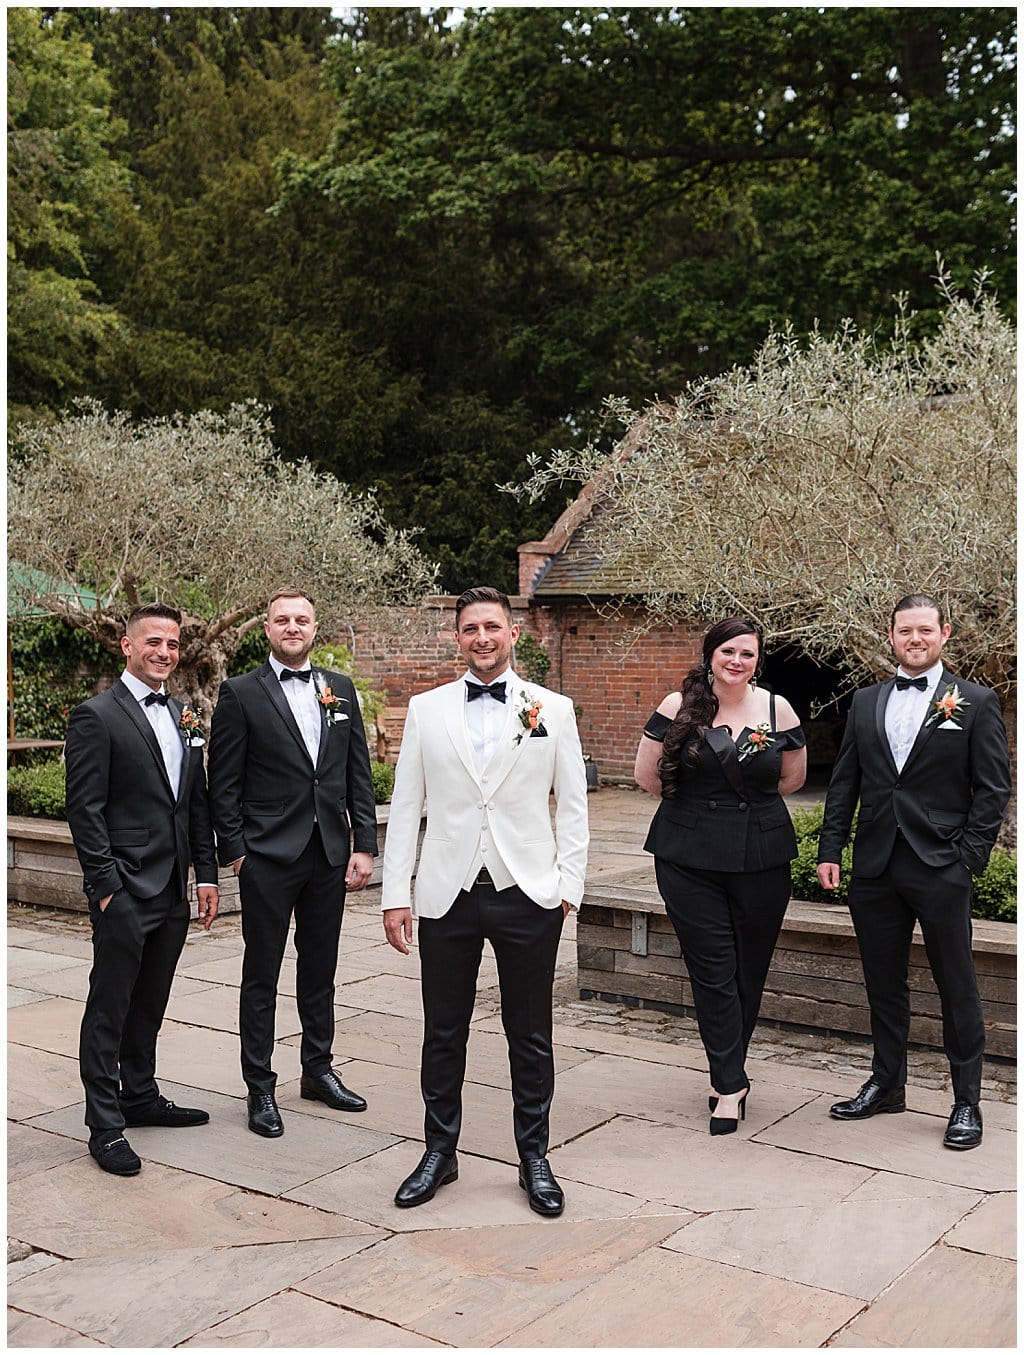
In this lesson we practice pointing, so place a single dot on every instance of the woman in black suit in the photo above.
(721, 753)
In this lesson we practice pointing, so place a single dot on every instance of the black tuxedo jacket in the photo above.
(128, 827)
(265, 791)
(949, 799)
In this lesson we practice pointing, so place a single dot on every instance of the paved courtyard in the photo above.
(796, 1232)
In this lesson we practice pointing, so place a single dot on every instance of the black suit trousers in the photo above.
(524, 938)
(727, 923)
(884, 910)
(136, 944)
(270, 892)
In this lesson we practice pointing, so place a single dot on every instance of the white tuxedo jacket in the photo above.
(509, 798)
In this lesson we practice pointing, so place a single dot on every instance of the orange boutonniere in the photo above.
(948, 706)
(191, 727)
(529, 717)
(331, 703)
(756, 741)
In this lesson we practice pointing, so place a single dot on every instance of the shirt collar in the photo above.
(139, 689)
(502, 677)
(933, 674)
(279, 667)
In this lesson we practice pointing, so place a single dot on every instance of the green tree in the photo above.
(64, 187)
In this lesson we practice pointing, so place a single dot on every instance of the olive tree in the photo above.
(815, 486)
(199, 512)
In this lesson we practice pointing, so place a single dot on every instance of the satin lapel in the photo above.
(272, 685)
(927, 730)
(319, 677)
(455, 724)
(175, 707)
(723, 745)
(133, 710)
(883, 738)
(509, 752)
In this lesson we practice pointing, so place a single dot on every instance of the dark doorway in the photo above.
(820, 694)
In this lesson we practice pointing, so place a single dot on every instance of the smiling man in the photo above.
(925, 755)
(139, 816)
(294, 811)
(486, 753)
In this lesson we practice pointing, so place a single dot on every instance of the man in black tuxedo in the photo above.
(289, 772)
(925, 754)
(138, 813)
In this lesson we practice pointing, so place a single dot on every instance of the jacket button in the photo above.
(316, 781)
(479, 804)
(743, 804)
(712, 804)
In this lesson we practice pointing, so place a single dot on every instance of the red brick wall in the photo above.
(615, 686)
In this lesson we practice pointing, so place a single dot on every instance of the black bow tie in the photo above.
(302, 674)
(496, 689)
(902, 683)
(156, 699)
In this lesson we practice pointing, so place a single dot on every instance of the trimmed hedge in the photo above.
(38, 792)
(995, 891)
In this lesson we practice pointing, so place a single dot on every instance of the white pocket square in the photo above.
(948, 724)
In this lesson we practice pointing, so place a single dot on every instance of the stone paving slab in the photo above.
(31, 1150)
(662, 1299)
(688, 1168)
(23, 964)
(20, 997)
(38, 1081)
(487, 1194)
(27, 1330)
(991, 1228)
(848, 1248)
(308, 1324)
(949, 1300)
(85, 1213)
(475, 1289)
(161, 1298)
(226, 1150)
(56, 942)
(909, 1143)
(215, 1006)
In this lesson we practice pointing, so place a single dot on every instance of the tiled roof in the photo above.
(579, 568)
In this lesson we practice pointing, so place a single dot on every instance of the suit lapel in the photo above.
(272, 685)
(509, 751)
(881, 701)
(134, 712)
(321, 752)
(455, 724)
(723, 745)
(175, 707)
(927, 730)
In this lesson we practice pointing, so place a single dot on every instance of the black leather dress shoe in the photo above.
(434, 1170)
(544, 1192)
(330, 1089)
(114, 1153)
(871, 1100)
(964, 1128)
(166, 1113)
(264, 1116)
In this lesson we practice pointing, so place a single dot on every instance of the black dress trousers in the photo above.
(270, 891)
(136, 944)
(524, 938)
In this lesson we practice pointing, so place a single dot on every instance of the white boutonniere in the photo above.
(529, 717)
(190, 727)
(332, 704)
(947, 708)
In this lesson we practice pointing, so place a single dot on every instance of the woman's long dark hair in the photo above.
(700, 704)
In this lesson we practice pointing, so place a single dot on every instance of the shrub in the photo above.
(995, 891)
(37, 792)
(532, 661)
(383, 781)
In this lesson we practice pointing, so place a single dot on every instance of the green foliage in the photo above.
(54, 667)
(532, 661)
(995, 891)
(383, 774)
(37, 792)
(340, 659)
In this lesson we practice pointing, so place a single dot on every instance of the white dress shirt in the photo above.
(488, 723)
(905, 713)
(305, 706)
(164, 727)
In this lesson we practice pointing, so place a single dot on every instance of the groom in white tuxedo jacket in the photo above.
(485, 754)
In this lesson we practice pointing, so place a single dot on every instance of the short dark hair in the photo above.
(153, 609)
(482, 594)
(916, 600)
(290, 593)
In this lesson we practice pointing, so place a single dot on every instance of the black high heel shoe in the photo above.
(724, 1125)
